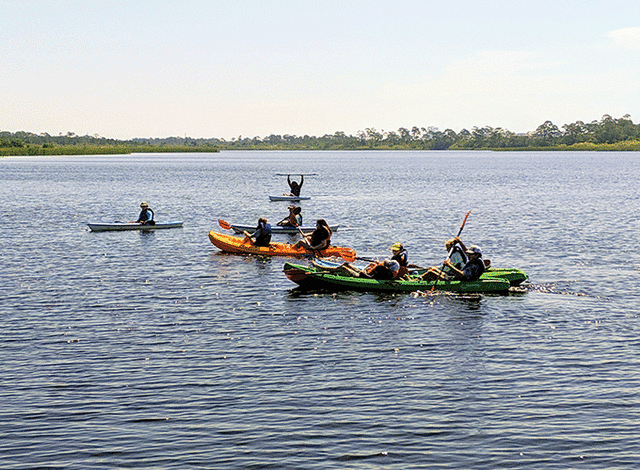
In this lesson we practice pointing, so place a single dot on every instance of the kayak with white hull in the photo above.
(289, 198)
(121, 226)
(239, 228)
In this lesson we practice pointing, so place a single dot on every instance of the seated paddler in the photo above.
(262, 234)
(381, 270)
(319, 239)
(385, 270)
(146, 215)
(458, 255)
(471, 271)
(294, 219)
(402, 257)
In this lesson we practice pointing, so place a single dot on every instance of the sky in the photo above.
(242, 68)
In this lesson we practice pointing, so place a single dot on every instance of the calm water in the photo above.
(154, 350)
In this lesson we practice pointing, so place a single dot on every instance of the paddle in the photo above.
(301, 174)
(314, 252)
(225, 225)
(451, 250)
(344, 253)
(304, 237)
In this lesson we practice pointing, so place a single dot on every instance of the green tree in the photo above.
(547, 134)
(575, 132)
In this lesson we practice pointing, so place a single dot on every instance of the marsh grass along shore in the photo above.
(34, 149)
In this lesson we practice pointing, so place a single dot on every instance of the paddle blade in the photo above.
(348, 255)
(464, 222)
(224, 225)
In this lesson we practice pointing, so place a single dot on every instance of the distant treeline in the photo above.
(26, 143)
(607, 134)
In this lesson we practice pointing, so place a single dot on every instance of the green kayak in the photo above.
(315, 278)
(513, 275)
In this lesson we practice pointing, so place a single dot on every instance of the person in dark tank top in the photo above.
(294, 186)
(319, 239)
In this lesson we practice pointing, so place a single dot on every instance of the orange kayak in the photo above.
(232, 244)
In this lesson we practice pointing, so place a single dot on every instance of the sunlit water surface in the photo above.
(154, 350)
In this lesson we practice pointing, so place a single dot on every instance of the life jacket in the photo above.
(458, 258)
(264, 237)
(473, 269)
(144, 218)
(402, 258)
(295, 219)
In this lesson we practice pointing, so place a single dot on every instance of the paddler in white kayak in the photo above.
(294, 186)
(294, 219)
(146, 215)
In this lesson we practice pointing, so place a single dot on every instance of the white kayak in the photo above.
(289, 198)
(119, 226)
(239, 228)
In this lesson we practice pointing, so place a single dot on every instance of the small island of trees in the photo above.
(607, 134)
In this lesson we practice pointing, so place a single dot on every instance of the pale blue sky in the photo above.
(217, 68)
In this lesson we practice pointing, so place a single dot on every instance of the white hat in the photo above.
(474, 249)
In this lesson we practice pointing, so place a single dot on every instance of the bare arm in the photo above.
(459, 242)
(456, 272)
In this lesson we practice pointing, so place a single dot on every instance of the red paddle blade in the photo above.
(224, 225)
(348, 255)
(464, 222)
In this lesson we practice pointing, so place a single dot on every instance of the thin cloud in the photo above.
(627, 38)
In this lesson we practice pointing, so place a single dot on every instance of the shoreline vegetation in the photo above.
(608, 134)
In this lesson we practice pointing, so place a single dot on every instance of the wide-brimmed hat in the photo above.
(144, 204)
(396, 246)
(474, 249)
